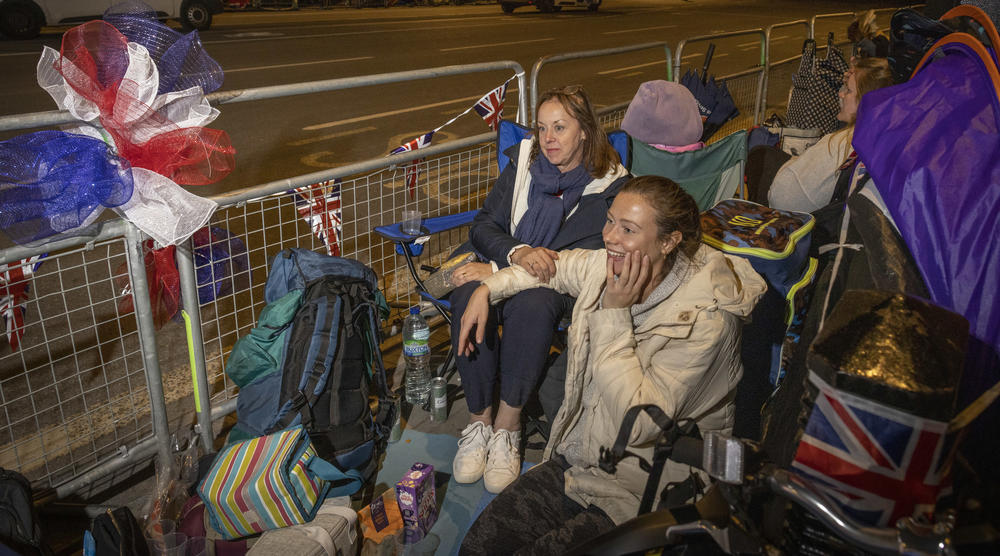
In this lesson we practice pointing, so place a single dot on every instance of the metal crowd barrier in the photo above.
(778, 73)
(745, 85)
(95, 390)
(609, 120)
(777, 81)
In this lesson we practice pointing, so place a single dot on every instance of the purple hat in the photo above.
(663, 113)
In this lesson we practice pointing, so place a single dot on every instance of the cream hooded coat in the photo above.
(683, 358)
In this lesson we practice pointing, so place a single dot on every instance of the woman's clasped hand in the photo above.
(540, 262)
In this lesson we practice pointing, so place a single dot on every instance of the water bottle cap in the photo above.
(415, 310)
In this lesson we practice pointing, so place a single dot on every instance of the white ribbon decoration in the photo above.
(159, 207)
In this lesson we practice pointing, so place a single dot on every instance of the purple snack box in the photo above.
(417, 502)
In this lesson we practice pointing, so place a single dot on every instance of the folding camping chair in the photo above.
(710, 174)
(410, 247)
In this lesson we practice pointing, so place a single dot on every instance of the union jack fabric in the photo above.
(15, 279)
(490, 107)
(319, 204)
(412, 169)
(877, 463)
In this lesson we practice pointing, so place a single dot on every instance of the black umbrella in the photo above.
(715, 103)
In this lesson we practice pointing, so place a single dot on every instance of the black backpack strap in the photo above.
(305, 395)
(387, 408)
(609, 458)
(662, 449)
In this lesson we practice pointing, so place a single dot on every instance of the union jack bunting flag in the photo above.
(319, 205)
(412, 169)
(14, 281)
(490, 107)
(878, 463)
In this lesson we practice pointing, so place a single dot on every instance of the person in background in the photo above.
(868, 40)
(806, 182)
(553, 195)
(657, 320)
(664, 115)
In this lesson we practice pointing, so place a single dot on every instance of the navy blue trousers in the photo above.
(529, 319)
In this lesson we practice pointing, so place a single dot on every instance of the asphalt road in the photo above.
(292, 136)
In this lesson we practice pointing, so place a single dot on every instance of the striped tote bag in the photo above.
(270, 482)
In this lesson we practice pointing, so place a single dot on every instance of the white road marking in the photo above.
(639, 29)
(389, 113)
(310, 140)
(21, 54)
(757, 43)
(697, 54)
(253, 34)
(311, 17)
(616, 70)
(624, 75)
(353, 33)
(494, 44)
(255, 68)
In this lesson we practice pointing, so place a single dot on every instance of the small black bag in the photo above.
(117, 533)
(19, 528)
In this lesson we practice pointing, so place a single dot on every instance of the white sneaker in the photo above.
(470, 460)
(503, 462)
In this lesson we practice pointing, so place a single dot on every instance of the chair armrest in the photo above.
(429, 226)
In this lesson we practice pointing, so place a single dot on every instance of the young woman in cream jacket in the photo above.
(657, 320)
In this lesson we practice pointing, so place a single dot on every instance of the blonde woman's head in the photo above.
(865, 76)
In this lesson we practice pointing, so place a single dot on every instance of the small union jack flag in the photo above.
(878, 463)
(319, 205)
(14, 281)
(412, 169)
(490, 107)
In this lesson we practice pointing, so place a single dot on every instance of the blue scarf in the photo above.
(553, 195)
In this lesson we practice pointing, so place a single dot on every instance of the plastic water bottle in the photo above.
(417, 354)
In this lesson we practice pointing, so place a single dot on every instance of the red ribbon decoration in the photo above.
(98, 59)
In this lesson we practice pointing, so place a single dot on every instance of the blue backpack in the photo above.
(314, 359)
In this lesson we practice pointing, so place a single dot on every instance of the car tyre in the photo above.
(593, 7)
(507, 7)
(545, 6)
(196, 15)
(20, 20)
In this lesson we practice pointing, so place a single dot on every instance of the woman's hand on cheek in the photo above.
(626, 289)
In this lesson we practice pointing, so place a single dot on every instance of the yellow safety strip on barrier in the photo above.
(194, 374)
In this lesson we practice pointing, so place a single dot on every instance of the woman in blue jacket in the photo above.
(553, 195)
